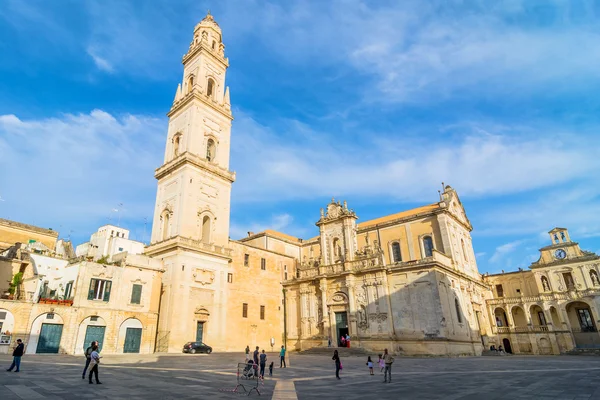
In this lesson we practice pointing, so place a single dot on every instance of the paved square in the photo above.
(213, 376)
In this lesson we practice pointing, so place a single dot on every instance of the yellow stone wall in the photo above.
(12, 232)
(255, 287)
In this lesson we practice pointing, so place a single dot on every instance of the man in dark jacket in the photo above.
(17, 354)
(88, 357)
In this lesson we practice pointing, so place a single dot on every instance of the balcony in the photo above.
(56, 301)
(570, 295)
(522, 329)
(189, 244)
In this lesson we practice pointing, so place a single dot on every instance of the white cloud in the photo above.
(100, 62)
(503, 250)
(74, 169)
(296, 163)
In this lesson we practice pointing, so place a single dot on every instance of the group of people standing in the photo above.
(385, 363)
(345, 341)
(260, 359)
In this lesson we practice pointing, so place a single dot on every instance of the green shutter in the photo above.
(107, 291)
(136, 294)
(91, 292)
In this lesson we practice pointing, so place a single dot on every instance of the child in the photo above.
(370, 365)
(381, 363)
(271, 369)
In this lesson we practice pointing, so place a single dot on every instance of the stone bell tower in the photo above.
(190, 231)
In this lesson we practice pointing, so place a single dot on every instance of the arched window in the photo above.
(214, 44)
(210, 150)
(176, 144)
(396, 254)
(458, 312)
(190, 86)
(165, 225)
(206, 229)
(428, 246)
(464, 251)
(210, 88)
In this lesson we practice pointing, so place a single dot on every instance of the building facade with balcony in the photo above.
(60, 307)
(551, 308)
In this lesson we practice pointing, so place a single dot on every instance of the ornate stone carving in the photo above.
(204, 276)
(338, 298)
(378, 317)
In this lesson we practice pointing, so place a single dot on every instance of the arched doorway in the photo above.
(582, 325)
(506, 345)
(46, 334)
(338, 306)
(91, 329)
(130, 335)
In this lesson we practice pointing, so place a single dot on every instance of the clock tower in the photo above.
(190, 230)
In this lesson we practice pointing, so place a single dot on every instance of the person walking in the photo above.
(88, 357)
(370, 365)
(255, 356)
(388, 360)
(263, 364)
(282, 357)
(247, 353)
(94, 362)
(17, 354)
(338, 364)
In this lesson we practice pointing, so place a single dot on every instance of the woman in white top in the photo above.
(94, 362)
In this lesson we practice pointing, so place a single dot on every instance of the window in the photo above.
(396, 254)
(190, 84)
(206, 229)
(585, 320)
(542, 318)
(518, 290)
(136, 294)
(99, 290)
(176, 143)
(50, 315)
(263, 264)
(458, 313)
(165, 224)
(214, 45)
(262, 312)
(230, 278)
(68, 290)
(120, 249)
(563, 237)
(428, 246)
(246, 260)
(285, 276)
(499, 291)
(210, 88)
(3, 315)
(210, 150)
(245, 310)
(464, 251)
(94, 318)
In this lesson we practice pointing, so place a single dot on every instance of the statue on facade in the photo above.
(545, 284)
(594, 276)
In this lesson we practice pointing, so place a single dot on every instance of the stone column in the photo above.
(304, 311)
(324, 314)
(352, 307)
(551, 328)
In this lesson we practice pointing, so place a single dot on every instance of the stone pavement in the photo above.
(180, 376)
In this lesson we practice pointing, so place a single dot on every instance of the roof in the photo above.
(403, 214)
(282, 235)
(557, 229)
(32, 228)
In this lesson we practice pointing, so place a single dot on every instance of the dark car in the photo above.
(196, 347)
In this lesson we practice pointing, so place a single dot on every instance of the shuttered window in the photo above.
(136, 294)
(99, 290)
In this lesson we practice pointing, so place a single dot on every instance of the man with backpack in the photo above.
(387, 373)
(88, 357)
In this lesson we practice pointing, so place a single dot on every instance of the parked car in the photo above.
(196, 347)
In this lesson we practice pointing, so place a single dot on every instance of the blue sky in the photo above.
(373, 102)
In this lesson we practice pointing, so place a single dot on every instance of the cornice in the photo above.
(192, 159)
(565, 262)
(224, 61)
(196, 95)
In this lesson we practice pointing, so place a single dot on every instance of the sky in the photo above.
(373, 102)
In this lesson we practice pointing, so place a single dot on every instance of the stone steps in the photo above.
(342, 351)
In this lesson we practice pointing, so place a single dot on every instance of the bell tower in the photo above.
(190, 230)
(194, 182)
